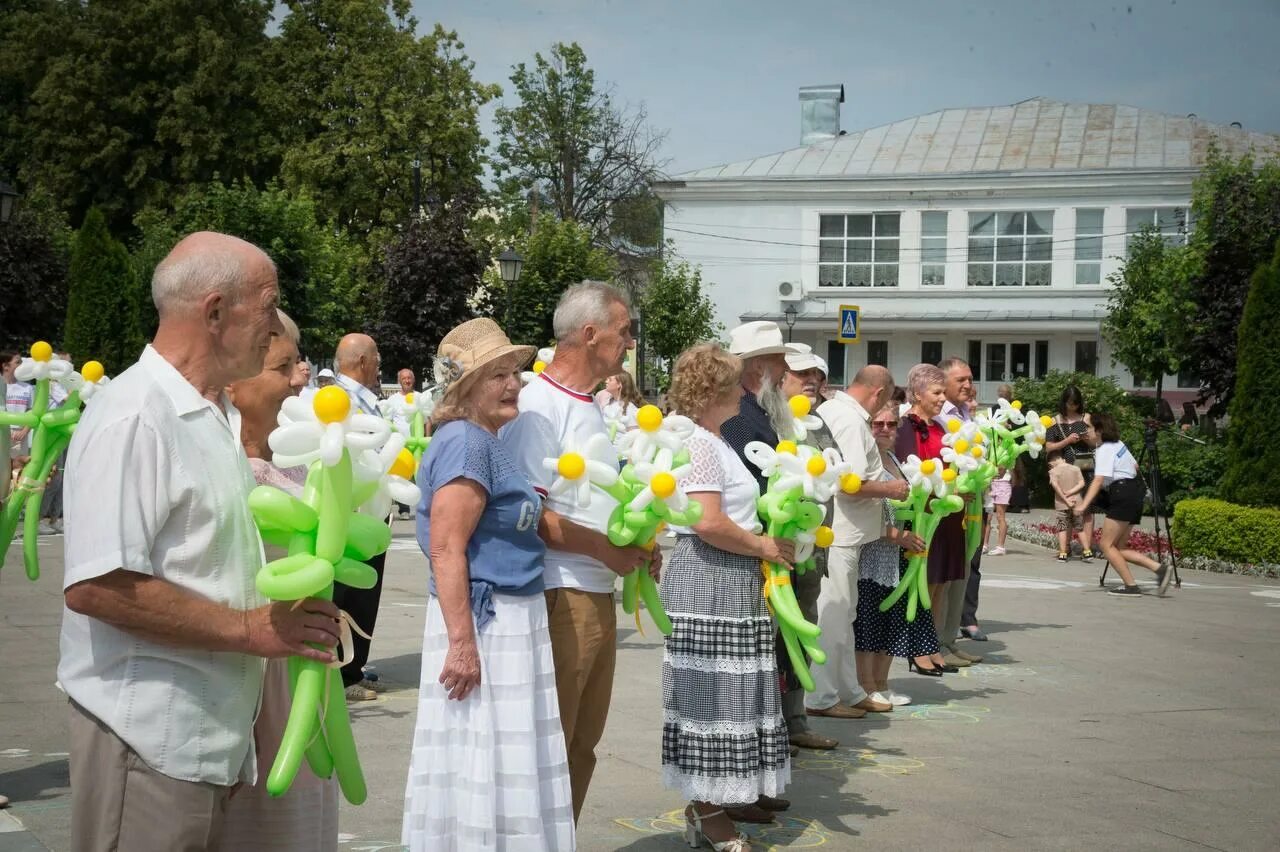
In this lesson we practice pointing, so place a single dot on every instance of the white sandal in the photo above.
(693, 833)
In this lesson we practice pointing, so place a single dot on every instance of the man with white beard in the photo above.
(763, 410)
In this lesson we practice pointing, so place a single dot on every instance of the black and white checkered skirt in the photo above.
(724, 740)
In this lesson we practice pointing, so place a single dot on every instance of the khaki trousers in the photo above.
(119, 804)
(584, 631)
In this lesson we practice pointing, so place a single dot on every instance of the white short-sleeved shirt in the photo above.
(1113, 461)
(716, 467)
(554, 418)
(18, 399)
(395, 405)
(157, 482)
(857, 519)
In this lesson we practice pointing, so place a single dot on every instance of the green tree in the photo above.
(1147, 307)
(100, 306)
(675, 313)
(123, 102)
(434, 273)
(557, 255)
(1253, 455)
(357, 97)
(569, 143)
(323, 274)
(34, 246)
(1236, 210)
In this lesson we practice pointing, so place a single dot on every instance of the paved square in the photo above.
(1095, 723)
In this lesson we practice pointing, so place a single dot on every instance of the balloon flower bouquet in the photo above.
(51, 430)
(801, 478)
(646, 492)
(354, 462)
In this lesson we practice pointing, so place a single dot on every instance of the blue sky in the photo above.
(722, 77)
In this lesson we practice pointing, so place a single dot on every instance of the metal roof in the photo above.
(1032, 135)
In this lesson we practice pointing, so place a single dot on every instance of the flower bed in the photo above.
(1046, 535)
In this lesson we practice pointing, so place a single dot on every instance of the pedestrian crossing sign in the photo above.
(850, 324)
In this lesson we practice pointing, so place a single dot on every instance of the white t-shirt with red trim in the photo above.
(553, 419)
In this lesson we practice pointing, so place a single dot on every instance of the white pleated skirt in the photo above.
(489, 773)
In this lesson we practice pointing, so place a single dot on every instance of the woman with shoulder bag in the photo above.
(1069, 436)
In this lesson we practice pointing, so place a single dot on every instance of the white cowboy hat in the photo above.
(761, 337)
(804, 359)
(326, 373)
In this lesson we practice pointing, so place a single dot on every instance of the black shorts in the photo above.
(1125, 498)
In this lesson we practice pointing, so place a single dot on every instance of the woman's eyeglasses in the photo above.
(884, 424)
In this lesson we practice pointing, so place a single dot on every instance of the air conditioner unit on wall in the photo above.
(790, 291)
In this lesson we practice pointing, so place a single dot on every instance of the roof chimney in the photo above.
(820, 112)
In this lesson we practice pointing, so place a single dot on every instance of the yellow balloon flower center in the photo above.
(961, 446)
(948, 475)
(41, 351)
(928, 466)
(953, 425)
(788, 447)
(851, 483)
(331, 404)
(649, 418)
(1046, 421)
(1016, 405)
(408, 399)
(539, 366)
(663, 485)
(93, 371)
(403, 465)
(800, 405)
(571, 466)
(816, 466)
(978, 437)
(823, 537)
(977, 452)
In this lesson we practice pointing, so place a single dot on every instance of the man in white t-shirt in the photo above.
(164, 631)
(394, 404)
(858, 521)
(592, 325)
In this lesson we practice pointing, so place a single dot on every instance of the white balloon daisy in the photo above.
(661, 484)
(42, 365)
(89, 380)
(803, 422)
(577, 469)
(392, 468)
(540, 363)
(321, 429)
(655, 432)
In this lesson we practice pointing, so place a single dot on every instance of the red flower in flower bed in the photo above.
(1139, 539)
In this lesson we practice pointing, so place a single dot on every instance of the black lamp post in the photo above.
(510, 263)
(417, 190)
(8, 199)
(790, 315)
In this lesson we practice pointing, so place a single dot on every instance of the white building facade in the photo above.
(986, 233)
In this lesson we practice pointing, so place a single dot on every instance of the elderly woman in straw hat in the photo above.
(488, 769)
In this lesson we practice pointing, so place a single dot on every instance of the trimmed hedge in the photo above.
(1221, 530)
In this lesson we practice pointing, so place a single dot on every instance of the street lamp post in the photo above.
(790, 315)
(8, 197)
(417, 190)
(510, 263)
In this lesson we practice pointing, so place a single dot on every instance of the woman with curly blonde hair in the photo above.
(724, 742)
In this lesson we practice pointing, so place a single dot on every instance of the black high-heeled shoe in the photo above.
(912, 666)
(947, 668)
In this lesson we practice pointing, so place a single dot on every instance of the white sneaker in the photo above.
(984, 548)
(998, 551)
(897, 699)
(46, 528)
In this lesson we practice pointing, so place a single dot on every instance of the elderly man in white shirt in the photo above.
(164, 633)
(858, 520)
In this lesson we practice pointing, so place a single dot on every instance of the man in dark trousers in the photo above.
(356, 364)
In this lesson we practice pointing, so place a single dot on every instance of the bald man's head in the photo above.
(207, 263)
(357, 357)
(871, 386)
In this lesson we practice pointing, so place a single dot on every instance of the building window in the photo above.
(858, 250)
(975, 359)
(930, 352)
(1019, 360)
(1173, 223)
(1042, 358)
(836, 352)
(1087, 357)
(1089, 247)
(1010, 249)
(1188, 380)
(878, 352)
(933, 248)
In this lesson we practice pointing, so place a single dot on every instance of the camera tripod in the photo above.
(1149, 469)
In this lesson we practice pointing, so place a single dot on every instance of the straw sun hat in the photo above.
(469, 347)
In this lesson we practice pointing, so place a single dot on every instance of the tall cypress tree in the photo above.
(1253, 454)
(101, 320)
